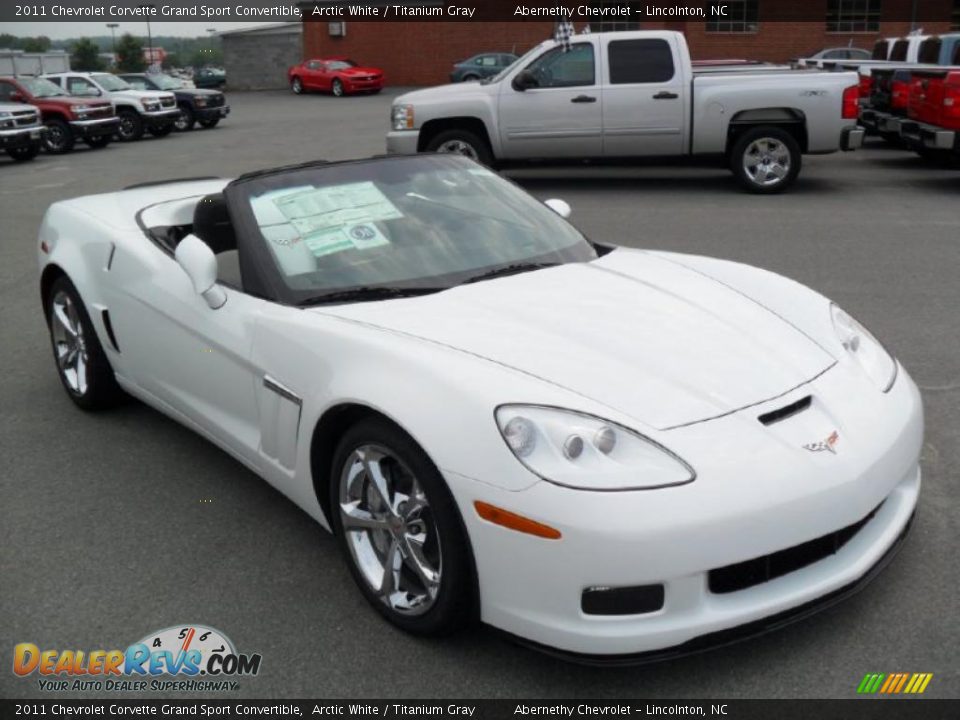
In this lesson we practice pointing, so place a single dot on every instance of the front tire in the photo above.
(337, 88)
(209, 122)
(58, 138)
(25, 153)
(131, 126)
(296, 86)
(462, 142)
(82, 365)
(185, 120)
(766, 160)
(400, 530)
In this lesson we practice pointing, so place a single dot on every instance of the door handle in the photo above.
(583, 99)
(665, 95)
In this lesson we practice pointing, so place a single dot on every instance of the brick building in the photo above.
(422, 53)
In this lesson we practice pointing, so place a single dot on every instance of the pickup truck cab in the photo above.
(138, 110)
(21, 134)
(635, 94)
(207, 107)
(66, 118)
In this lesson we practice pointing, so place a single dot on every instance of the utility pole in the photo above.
(113, 39)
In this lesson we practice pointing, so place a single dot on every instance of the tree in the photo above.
(36, 45)
(130, 54)
(172, 60)
(84, 56)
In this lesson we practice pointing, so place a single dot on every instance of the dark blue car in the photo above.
(481, 66)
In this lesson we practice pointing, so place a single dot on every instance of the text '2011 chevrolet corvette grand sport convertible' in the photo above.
(606, 452)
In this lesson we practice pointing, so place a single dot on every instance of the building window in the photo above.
(611, 25)
(846, 16)
(742, 17)
(955, 16)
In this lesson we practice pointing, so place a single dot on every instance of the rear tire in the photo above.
(462, 142)
(296, 86)
(26, 153)
(186, 120)
(161, 130)
(766, 159)
(82, 365)
(419, 533)
(131, 126)
(58, 138)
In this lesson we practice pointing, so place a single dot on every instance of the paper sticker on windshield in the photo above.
(326, 242)
(339, 205)
(365, 235)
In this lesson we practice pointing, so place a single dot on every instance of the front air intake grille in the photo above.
(763, 569)
(636, 600)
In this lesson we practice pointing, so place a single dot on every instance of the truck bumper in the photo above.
(160, 117)
(402, 142)
(95, 128)
(917, 134)
(881, 122)
(20, 137)
(212, 112)
(852, 138)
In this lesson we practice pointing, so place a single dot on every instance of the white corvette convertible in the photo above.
(605, 452)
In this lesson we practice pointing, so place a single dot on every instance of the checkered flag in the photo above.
(562, 32)
(586, 30)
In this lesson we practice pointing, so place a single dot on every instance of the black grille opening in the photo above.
(743, 575)
(775, 416)
(634, 600)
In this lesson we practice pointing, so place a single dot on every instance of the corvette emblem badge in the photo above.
(828, 445)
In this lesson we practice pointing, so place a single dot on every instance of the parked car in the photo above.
(210, 78)
(635, 95)
(21, 132)
(337, 75)
(206, 107)
(655, 452)
(138, 110)
(840, 53)
(67, 118)
(481, 66)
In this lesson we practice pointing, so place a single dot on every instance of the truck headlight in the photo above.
(6, 120)
(79, 109)
(863, 347)
(586, 452)
(401, 117)
(200, 102)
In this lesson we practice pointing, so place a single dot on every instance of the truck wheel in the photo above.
(161, 130)
(58, 138)
(131, 126)
(28, 152)
(210, 122)
(185, 120)
(462, 142)
(765, 159)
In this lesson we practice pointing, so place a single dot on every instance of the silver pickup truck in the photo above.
(635, 94)
(21, 134)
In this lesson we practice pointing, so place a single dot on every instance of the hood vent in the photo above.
(775, 416)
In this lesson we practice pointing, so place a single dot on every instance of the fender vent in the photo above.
(108, 326)
(775, 416)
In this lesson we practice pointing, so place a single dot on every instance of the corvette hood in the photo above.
(636, 332)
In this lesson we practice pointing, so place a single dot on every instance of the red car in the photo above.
(337, 75)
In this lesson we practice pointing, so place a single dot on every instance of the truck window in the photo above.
(6, 90)
(880, 50)
(557, 68)
(81, 86)
(899, 52)
(929, 51)
(640, 61)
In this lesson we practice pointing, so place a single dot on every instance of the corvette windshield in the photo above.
(110, 82)
(399, 225)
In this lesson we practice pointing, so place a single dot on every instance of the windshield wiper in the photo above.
(360, 294)
(513, 269)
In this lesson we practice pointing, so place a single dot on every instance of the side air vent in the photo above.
(775, 416)
(108, 326)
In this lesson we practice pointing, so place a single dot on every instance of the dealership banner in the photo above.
(484, 709)
(586, 11)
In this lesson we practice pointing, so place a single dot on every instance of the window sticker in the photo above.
(338, 205)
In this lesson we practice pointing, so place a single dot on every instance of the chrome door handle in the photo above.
(665, 95)
(583, 99)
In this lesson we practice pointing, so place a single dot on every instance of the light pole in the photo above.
(113, 40)
(149, 6)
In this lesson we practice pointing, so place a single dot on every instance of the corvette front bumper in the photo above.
(759, 496)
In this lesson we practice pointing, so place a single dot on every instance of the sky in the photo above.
(61, 30)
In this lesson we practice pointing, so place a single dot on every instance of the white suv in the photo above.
(138, 110)
(20, 131)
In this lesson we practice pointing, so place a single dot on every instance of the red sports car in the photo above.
(338, 75)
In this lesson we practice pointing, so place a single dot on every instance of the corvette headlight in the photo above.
(586, 452)
(401, 117)
(876, 362)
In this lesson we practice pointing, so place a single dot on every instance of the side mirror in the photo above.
(525, 80)
(16, 96)
(560, 207)
(200, 264)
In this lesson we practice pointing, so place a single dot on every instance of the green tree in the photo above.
(130, 54)
(38, 44)
(172, 60)
(84, 55)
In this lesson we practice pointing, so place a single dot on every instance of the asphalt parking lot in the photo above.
(104, 538)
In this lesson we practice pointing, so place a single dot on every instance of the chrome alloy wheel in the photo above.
(69, 343)
(390, 530)
(459, 147)
(766, 161)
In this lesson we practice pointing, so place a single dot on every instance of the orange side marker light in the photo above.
(507, 519)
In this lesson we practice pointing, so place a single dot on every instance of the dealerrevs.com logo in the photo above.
(188, 657)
